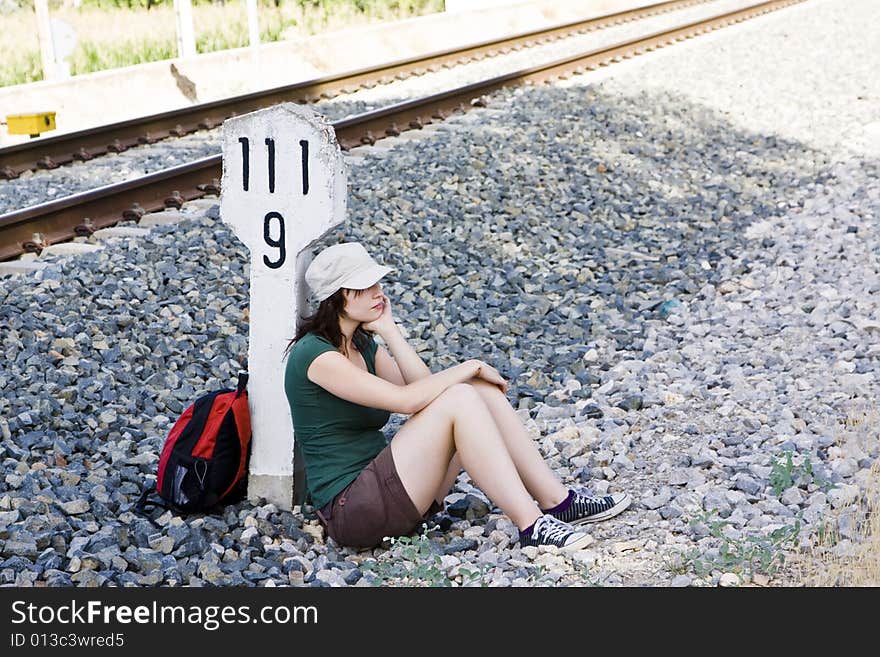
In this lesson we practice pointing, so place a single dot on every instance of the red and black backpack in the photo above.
(205, 456)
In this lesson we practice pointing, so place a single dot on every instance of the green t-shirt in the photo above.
(338, 438)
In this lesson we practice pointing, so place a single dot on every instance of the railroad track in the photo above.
(32, 229)
(83, 145)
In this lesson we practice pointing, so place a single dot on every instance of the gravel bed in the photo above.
(38, 187)
(685, 308)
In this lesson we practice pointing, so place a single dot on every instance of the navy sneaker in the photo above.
(548, 530)
(585, 508)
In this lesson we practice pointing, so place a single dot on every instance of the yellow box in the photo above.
(30, 124)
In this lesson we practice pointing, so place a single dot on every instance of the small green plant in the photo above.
(823, 484)
(415, 563)
(747, 556)
(469, 576)
(784, 474)
(586, 576)
(412, 563)
(678, 564)
(781, 475)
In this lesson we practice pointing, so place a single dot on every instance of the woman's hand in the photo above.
(490, 374)
(383, 322)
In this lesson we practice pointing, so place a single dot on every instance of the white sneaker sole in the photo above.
(579, 544)
(620, 507)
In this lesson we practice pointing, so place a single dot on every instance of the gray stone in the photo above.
(656, 501)
(670, 512)
(460, 545)
(212, 574)
(792, 495)
(352, 576)
(680, 581)
(748, 485)
(592, 411)
(717, 501)
(9, 517)
(25, 547)
(88, 578)
(631, 403)
(843, 495)
(75, 507)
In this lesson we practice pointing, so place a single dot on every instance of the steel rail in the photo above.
(54, 151)
(33, 228)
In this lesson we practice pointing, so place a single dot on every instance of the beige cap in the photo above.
(343, 265)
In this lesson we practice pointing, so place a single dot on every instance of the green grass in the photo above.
(20, 67)
(112, 36)
(747, 556)
(784, 474)
(413, 563)
(93, 56)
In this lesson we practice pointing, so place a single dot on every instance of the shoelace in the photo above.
(551, 529)
(584, 496)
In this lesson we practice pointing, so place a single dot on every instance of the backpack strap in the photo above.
(242, 383)
(140, 507)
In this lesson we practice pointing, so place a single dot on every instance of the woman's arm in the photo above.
(422, 392)
(421, 385)
(339, 376)
(411, 366)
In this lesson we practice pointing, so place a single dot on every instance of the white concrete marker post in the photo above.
(283, 188)
(253, 23)
(254, 38)
(63, 44)
(186, 36)
(44, 33)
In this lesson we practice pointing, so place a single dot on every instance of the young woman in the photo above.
(342, 387)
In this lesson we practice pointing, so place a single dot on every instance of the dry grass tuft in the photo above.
(854, 559)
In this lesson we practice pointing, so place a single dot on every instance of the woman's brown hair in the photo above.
(324, 322)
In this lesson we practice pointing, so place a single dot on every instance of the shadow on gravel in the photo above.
(567, 198)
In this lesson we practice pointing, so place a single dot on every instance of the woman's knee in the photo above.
(451, 402)
(458, 394)
(484, 387)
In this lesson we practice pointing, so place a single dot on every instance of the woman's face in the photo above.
(364, 305)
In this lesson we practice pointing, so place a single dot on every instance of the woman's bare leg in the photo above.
(452, 473)
(459, 421)
(543, 484)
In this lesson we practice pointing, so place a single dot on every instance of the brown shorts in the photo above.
(373, 506)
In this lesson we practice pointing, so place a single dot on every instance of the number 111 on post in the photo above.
(273, 221)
